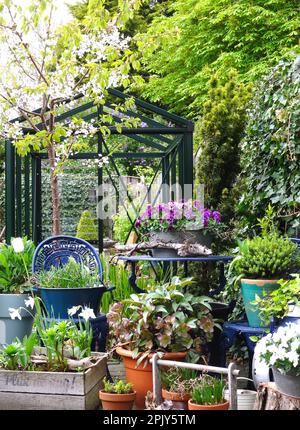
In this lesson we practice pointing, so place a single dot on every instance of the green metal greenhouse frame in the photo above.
(170, 140)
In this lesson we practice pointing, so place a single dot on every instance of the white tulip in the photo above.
(17, 244)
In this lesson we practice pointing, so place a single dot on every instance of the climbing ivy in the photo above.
(271, 149)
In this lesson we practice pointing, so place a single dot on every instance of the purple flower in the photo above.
(198, 205)
(138, 222)
(190, 214)
(216, 216)
(149, 211)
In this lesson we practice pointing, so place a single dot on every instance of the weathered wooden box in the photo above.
(20, 390)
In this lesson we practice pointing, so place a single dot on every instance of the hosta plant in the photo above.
(163, 319)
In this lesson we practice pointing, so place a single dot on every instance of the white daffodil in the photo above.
(29, 303)
(14, 313)
(87, 313)
(73, 310)
(17, 244)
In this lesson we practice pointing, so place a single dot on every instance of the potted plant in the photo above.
(208, 394)
(63, 373)
(15, 286)
(261, 262)
(176, 222)
(165, 320)
(177, 384)
(281, 351)
(117, 396)
(283, 303)
(64, 287)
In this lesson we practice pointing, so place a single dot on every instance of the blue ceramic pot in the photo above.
(57, 301)
(250, 289)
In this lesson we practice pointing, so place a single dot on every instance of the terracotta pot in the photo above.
(180, 401)
(218, 407)
(141, 377)
(117, 402)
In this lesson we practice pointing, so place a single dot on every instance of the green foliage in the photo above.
(17, 354)
(122, 224)
(220, 132)
(209, 391)
(163, 319)
(276, 303)
(86, 228)
(69, 275)
(184, 47)
(62, 341)
(118, 387)
(269, 256)
(271, 150)
(179, 380)
(15, 268)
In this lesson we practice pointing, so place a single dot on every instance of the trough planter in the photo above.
(25, 390)
(10, 329)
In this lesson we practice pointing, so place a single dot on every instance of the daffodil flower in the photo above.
(14, 313)
(73, 310)
(29, 303)
(87, 313)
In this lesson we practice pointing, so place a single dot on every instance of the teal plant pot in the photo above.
(10, 329)
(255, 287)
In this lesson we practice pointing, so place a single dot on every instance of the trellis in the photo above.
(168, 138)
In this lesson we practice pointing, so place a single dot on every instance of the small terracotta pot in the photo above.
(117, 402)
(141, 377)
(220, 406)
(179, 400)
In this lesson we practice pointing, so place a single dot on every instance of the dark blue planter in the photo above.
(57, 301)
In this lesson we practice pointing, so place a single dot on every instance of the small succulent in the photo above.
(118, 387)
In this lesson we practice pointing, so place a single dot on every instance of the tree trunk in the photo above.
(269, 398)
(55, 197)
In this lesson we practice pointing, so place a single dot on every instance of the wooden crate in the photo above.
(21, 390)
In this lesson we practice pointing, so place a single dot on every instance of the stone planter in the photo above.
(288, 384)
(193, 236)
(25, 390)
(10, 329)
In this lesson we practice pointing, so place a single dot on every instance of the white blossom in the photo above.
(29, 303)
(73, 310)
(14, 313)
(87, 313)
(17, 244)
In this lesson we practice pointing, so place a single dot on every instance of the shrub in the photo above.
(86, 228)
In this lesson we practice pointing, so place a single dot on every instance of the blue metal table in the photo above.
(133, 260)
